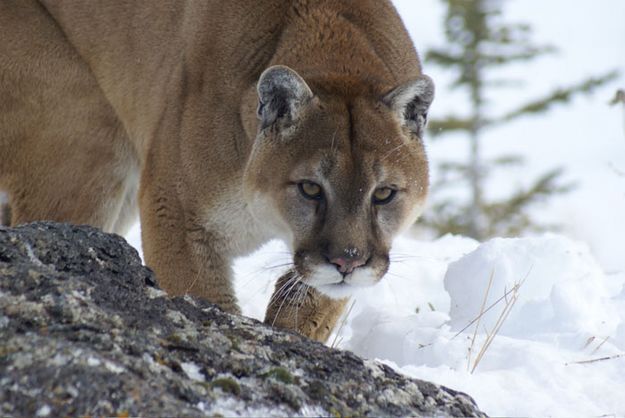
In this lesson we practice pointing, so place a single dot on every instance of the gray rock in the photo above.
(84, 330)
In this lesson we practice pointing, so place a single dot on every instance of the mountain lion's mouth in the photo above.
(338, 290)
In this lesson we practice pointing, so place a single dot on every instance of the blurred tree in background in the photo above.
(619, 99)
(479, 41)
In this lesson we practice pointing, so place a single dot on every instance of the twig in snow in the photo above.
(595, 360)
(600, 344)
(588, 342)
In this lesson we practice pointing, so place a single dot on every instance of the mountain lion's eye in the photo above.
(310, 190)
(383, 195)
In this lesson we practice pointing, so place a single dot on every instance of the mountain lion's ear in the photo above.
(281, 95)
(411, 102)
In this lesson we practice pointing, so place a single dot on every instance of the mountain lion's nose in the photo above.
(347, 265)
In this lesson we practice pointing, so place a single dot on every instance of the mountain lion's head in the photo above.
(338, 171)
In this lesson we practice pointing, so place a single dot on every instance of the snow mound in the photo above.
(561, 288)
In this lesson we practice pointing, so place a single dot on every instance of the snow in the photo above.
(562, 289)
(44, 411)
(192, 371)
(233, 407)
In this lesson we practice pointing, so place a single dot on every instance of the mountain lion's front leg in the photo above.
(186, 257)
(299, 307)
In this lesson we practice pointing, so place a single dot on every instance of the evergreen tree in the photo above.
(479, 41)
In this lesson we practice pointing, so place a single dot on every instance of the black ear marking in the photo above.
(281, 95)
(411, 102)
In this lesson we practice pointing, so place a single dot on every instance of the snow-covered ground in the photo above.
(551, 337)
(557, 352)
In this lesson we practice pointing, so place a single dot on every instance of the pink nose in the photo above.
(347, 265)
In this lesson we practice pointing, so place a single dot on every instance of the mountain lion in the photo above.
(226, 123)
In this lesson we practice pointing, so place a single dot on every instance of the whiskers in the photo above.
(405, 261)
(291, 292)
(267, 273)
(393, 274)
(394, 256)
(249, 277)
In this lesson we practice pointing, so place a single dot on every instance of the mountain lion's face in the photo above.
(339, 179)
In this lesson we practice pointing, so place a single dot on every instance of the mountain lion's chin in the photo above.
(327, 280)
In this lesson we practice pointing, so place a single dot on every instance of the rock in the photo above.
(85, 330)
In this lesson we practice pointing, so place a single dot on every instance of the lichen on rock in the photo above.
(84, 330)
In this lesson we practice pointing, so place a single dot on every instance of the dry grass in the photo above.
(477, 325)
(509, 299)
(336, 341)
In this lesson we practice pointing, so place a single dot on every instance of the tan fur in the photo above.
(106, 105)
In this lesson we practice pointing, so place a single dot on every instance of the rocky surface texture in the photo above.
(84, 330)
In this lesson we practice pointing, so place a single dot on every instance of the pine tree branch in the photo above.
(508, 160)
(560, 95)
(450, 123)
(449, 166)
(494, 59)
(442, 58)
(508, 217)
(619, 97)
